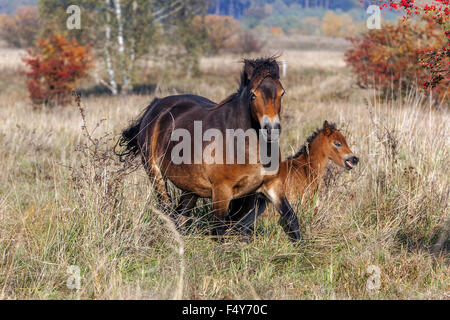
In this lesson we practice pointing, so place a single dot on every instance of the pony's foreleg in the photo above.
(244, 212)
(221, 197)
(275, 193)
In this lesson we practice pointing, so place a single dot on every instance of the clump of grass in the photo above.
(65, 199)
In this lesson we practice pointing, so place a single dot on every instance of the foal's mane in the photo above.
(304, 148)
(262, 68)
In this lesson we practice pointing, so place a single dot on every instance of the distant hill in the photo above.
(9, 6)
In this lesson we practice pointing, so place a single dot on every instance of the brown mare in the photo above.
(256, 105)
(301, 174)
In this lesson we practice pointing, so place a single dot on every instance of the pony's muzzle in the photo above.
(351, 161)
(271, 128)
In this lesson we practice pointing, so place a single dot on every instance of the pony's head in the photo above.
(335, 145)
(263, 89)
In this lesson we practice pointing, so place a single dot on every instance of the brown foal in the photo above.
(301, 174)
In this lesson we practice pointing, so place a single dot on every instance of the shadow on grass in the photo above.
(438, 244)
(101, 90)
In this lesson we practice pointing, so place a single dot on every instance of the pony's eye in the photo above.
(253, 96)
(337, 144)
(283, 93)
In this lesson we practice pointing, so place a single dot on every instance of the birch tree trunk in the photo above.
(109, 66)
(132, 56)
(121, 44)
(217, 7)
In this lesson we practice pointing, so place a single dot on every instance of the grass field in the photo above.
(65, 200)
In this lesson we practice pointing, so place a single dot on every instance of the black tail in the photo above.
(128, 141)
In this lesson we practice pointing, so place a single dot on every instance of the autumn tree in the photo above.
(436, 61)
(20, 29)
(389, 59)
(55, 67)
(335, 25)
(218, 29)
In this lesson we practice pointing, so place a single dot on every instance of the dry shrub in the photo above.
(125, 226)
(20, 29)
(246, 43)
(102, 166)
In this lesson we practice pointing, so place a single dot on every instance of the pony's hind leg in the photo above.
(159, 185)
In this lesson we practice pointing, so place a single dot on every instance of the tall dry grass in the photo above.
(65, 200)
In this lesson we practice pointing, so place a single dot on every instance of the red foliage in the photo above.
(436, 60)
(389, 59)
(56, 66)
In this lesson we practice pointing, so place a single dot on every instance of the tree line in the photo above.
(238, 8)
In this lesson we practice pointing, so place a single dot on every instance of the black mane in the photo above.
(262, 68)
(309, 140)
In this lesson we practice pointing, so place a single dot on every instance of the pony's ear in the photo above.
(249, 67)
(326, 128)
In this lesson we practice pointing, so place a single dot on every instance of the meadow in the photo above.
(66, 200)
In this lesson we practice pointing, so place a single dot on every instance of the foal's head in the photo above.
(335, 145)
(264, 91)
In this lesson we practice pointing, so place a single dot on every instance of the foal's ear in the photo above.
(249, 67)
(326, 128)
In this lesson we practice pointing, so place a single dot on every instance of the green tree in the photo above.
(122, 31)
(179, 26)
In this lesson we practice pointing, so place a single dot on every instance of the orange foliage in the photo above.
(56, 66)
(276, 31)
(334, 25)
(20, 29)
(219, 30)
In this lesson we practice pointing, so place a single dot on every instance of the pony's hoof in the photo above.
(218, 233)
(247, 239)
(218, 239)
(300, 244)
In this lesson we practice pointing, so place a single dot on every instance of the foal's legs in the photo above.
(274, 191)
